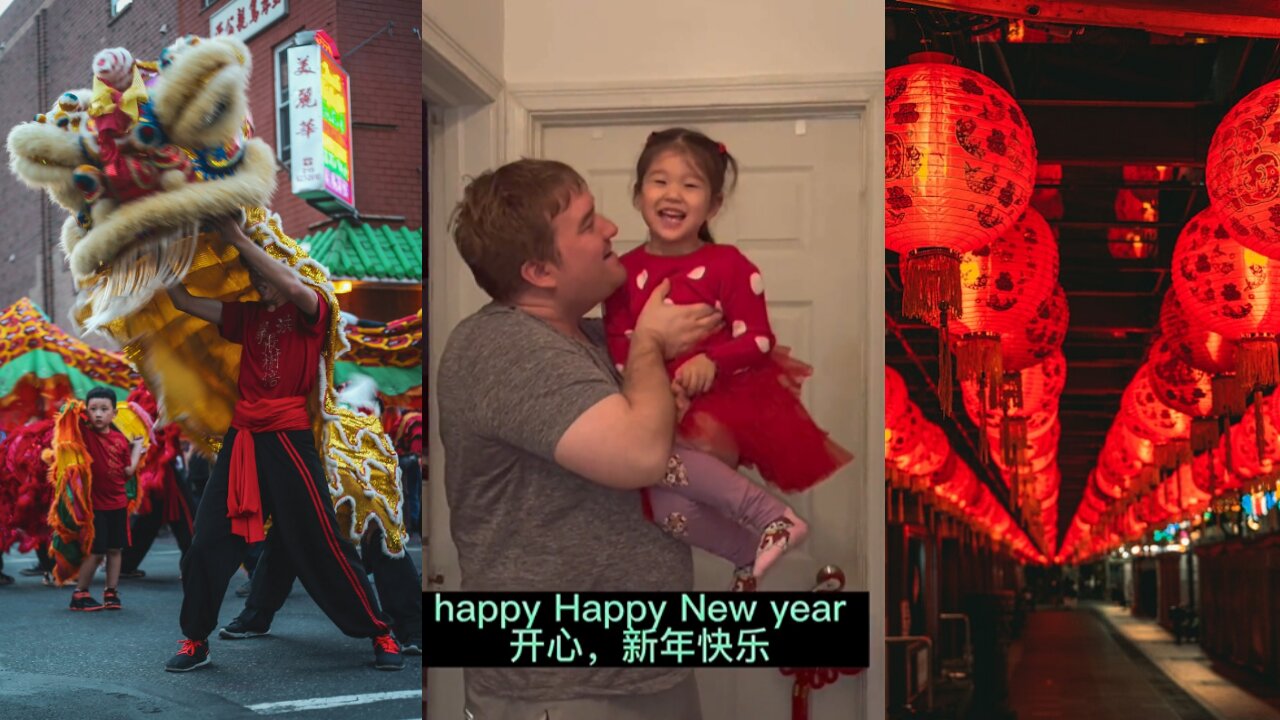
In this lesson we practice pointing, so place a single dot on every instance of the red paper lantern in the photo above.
(1203, 349)
(1206, 471)
(895, 394)
(1233, 291)
(1186, 389)
(928, 455)
(1002, 286)
(1108, 484)
(1182, 387)
(1242, 173)
(1040, 454)
(1041, 386)
(1254, 449)
(903, 435)
(1041, 336)
(1125, 454)
(1091, 506)
(1146, 416)
(960, 164)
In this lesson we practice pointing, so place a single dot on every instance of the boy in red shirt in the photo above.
(269, 465)
(113, 459)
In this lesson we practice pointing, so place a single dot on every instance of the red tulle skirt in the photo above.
(757, 415)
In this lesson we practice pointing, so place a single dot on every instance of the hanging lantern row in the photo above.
(960, 167)
(919, 458)
(1216, 356)
(1127, 494)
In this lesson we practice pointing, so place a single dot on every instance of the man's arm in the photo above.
(624, 441)
(280, 276)
(206, 309)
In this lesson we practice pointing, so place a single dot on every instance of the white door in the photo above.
(798, 212)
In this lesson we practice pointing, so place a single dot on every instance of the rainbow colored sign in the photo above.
(320, 128)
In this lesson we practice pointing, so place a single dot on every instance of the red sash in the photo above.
(244, 502)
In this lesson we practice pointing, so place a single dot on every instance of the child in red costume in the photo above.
(113, 459)
(739, 392)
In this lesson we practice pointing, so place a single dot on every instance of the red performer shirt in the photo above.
(281, 355)
(718, 275)
(109, 455)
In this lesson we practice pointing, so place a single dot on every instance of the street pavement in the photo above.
(106, 665)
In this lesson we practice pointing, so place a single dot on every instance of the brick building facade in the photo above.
(47, 47)
(380, 50)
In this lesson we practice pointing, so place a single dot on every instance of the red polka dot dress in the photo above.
(755, 398)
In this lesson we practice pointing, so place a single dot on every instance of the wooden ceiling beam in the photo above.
(1232, 18)
(1110, 134)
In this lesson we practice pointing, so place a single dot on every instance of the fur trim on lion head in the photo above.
(140, 161)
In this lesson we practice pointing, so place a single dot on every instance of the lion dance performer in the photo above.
(399, 585)
(232, 326)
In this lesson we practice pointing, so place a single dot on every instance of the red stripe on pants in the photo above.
(329, 536)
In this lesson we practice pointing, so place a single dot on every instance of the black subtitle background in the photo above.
(795, 644)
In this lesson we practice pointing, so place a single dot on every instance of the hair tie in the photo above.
(723, 150)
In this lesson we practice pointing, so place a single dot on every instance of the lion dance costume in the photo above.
(141, 162)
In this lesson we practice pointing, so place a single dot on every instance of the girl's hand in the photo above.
(682, 400)
(696, 374)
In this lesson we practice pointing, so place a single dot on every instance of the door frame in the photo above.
(509, 126)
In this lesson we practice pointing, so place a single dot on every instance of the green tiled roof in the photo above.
(357, 251)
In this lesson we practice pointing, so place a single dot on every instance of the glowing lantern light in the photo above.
(1242, 173)
(960, 164)
(1233, 291)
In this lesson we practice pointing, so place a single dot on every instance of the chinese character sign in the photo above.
(242, 19)
(307, 148)
(335, 110)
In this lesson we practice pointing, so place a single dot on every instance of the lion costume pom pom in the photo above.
(143, 163)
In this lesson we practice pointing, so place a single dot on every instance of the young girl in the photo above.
(743, 391)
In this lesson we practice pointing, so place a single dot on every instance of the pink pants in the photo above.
(713, 507)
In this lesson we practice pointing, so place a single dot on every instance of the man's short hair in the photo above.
(504, 221)
(100, 393)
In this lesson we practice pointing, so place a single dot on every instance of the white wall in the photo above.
(574, 41)
(475, 25)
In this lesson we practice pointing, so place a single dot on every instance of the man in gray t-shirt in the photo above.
(546, 444)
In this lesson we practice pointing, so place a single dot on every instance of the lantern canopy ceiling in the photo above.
(1122, 119)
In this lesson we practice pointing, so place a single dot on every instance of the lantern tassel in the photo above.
(946, 368)
(1260, 426)
(931, 284)
(978, 356)
(983, 443)
(1257, 361)
(1177, 452)
(1228, 395)
(1011, 392)
(1013, 440)
(1228, 461)
(1148, 478)
(1204, 434)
